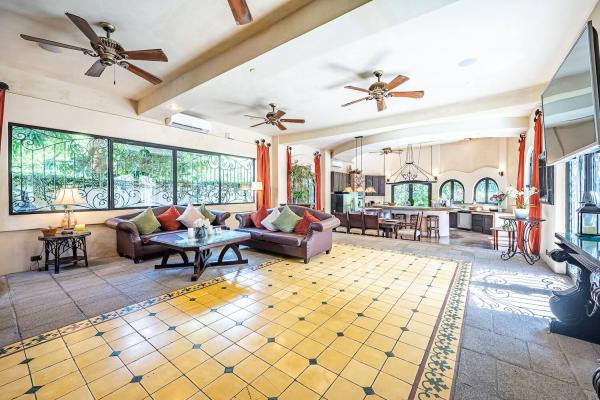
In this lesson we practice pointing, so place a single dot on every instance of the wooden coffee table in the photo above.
(179, 243)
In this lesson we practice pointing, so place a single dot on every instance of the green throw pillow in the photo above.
(207, 214)
(146, 222)
(287, 220)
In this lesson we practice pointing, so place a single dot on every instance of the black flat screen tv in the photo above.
(570, 103)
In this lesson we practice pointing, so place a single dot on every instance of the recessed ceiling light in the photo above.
(467, 62)
(50, 48)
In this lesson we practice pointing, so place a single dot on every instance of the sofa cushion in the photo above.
(255, 233)
(287, 221)
(207, 214)
(302, 226)
(168, 220)
(146, 222)
(289, 239)
(190, 215)
(258, 215)
(268, 221)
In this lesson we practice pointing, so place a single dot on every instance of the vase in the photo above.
(200, 233)
(521, 213)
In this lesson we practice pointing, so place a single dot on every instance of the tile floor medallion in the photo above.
(358, 323)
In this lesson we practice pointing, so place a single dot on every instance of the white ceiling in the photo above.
(516, 43)
(184, 29)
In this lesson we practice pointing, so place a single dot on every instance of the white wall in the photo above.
(18, 233)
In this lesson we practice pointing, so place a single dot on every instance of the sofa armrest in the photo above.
(244, 219)
(122, 225)
(324, 225)
(221, 217)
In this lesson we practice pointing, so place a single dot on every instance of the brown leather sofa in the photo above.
(318, 240)
(137, 247)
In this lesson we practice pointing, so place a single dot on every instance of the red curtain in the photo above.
(288, 153)
(535, 209)
(263, 172)
(318, 181)
(2, 96)
(521, 178)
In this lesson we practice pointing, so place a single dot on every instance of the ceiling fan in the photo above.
(274, 118)
(109, 51)
(240, 11)
(379, 90)
(387, 150)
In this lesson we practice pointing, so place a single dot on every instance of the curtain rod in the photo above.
(122, 116)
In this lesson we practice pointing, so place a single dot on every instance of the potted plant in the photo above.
(498, 198)
(522, 198)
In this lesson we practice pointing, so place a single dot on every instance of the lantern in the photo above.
(588, 216)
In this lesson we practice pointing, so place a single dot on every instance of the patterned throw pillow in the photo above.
(287, 221)
(258, 215)
(268, 222)
(207, 214)
(168, 219)
(190, 215)
(146, 222)
(302, 226)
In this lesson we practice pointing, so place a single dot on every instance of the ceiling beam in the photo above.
(528, 98)
(445, 131)
(179, 93)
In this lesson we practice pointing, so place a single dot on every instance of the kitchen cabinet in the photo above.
(482, 223)
(453, 220)
(339, 181)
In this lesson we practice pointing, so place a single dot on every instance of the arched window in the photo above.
(412, 193)
(484, 189)
(452, 190)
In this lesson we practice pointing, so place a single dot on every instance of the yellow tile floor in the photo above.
(358, 323)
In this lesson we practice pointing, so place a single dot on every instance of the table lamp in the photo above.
(257, 187)
(68, 197)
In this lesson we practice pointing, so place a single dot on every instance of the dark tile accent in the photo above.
(33, 389)
(136, 379)
(172, 328)
(270, 340)
(196, 346)
(368, 390)
(115, 353)
(228, 370)
(340, 333)
(389, 354)
(312, 361)
(99, 334)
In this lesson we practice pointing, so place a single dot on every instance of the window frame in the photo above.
(487, 180)
(111, 141)
(410, 190)
(452, 183)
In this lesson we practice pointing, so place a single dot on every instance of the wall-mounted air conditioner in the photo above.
(337, 164)
(189, 122)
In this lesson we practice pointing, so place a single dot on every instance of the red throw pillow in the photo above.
(168, 219)
(304, 223)
(258, 215)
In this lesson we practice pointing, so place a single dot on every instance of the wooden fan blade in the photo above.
(280, 126)
(141, 73)
(356, 88)
(279, 114)
(96, 69)
(240, 11)
(262, 123)
(253, 116)
(381, 105)
(84, 27)
(293, 120)
(355, 101)
(397, 81)
(146, 55)
(52, 43)
(415, 95)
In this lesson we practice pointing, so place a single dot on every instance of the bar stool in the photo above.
(433, 225)
(413, 218)
(401, 217)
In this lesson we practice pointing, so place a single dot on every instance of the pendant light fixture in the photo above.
(411, 171)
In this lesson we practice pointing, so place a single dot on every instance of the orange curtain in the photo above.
(288, 153)
(535, 209)
(267, 175)
(318, 181)
(521, 179)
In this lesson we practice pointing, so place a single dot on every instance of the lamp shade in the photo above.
(257, 186)
(244, 186)
(370, 189)
(348, 189)
(68, 197)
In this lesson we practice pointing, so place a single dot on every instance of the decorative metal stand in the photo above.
(522, 241)
(60, 244)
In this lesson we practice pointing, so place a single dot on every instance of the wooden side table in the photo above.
(58, 245)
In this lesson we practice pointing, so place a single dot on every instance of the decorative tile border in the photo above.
(56, 333)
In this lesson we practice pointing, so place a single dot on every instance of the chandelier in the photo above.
(410, 171)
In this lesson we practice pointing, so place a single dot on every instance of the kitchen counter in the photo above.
(443, 213)
(411, 208)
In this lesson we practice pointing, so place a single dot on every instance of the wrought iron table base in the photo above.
(522, 240)
(202, 260)
(57, 246)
